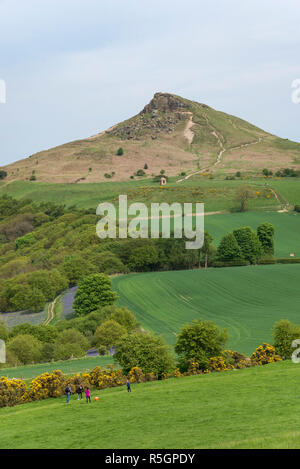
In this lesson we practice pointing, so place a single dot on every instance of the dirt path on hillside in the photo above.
(220, 140)
(246, 144)
(285, 203)
(188, 133)
(223, 149)
(219, 156)
(50, 311)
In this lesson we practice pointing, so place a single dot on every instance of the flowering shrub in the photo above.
(95, 375)
(12, 392)
(136, 375)
(219, 364)
(150, 377)
(47, 385)
(106, 378)
(236, 359)
(193, 368)
(82, 379)
(265, 354)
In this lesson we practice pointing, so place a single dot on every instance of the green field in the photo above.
(251, 408)
(217, 194)
(287, 228)
(289, 188)
(245, 300)
(68, 367)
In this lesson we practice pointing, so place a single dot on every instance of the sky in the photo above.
(72, 68)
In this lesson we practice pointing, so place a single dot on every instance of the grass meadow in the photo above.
(251, 408)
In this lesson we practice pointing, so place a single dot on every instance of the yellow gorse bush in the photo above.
(74, 381)
(15, 391)
(265, 354)
(236, 359)
(136, 375)
(109, 378)
(47, 385)
(193, 368)
(219, 364)
(12, 392)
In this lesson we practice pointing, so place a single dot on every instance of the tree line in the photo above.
(46, 248)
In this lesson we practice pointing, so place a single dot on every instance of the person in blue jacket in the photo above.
(128, 386)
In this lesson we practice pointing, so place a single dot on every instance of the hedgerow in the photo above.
(52, 385)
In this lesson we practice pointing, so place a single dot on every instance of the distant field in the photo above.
(80, 365)
(251, 408)
(217, 194)
(245, 300)
(289, 188)
(287, 228)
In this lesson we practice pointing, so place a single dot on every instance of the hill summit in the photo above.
(162, 114)
(170, 133)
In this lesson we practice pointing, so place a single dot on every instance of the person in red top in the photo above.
(88, 395)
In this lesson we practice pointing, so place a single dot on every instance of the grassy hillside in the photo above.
(170, 133)
(251, 408)
(245, 300)
(217, 194)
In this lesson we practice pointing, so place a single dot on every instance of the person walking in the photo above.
(128, 386)
(68, 392)
(79, 391)
(88, 395)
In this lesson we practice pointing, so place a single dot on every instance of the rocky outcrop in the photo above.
(164, 102)
(162, 114)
